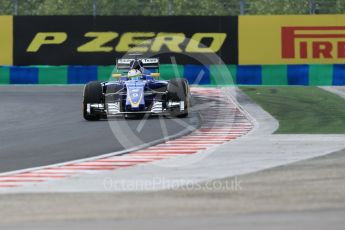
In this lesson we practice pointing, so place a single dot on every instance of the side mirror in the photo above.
(116, 75)
(155, 74)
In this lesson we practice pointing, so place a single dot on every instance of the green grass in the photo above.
(301, 110)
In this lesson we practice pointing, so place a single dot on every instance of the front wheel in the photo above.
(178, 91)
(93, 94)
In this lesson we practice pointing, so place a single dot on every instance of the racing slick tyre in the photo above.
(92, 95)
(178, 90)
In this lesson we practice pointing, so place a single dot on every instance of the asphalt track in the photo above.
(42, 125)
(303, 195)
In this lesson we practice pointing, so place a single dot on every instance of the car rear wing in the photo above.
(148, 63)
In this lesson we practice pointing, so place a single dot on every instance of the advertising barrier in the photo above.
(87, 40)
(304, 39)
(256, 50)
(6, 40)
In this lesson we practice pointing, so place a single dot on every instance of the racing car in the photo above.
(135, 91)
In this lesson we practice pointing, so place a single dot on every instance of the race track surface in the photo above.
(43, 125)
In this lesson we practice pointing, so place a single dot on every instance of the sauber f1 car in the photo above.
(136, 91)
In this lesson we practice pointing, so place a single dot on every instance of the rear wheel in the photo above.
(178, 91)
(93, 94)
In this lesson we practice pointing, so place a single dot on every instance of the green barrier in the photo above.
(320, 75)
(169, 71)
(223, 74)
(4, 75)
(315, 75)
(104, 72)
(274, 75)
(52, 74)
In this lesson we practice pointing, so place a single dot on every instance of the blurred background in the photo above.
(170, 7)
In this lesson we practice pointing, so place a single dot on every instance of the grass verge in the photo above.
(301, 110)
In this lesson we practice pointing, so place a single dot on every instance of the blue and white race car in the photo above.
(136, 91)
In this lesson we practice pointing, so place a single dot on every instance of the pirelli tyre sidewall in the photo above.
(93, 94)
(178, 90)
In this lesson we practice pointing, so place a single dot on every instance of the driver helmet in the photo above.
(134, 73)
